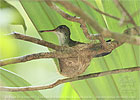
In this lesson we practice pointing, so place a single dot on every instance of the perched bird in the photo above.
(63, 33)
(71, 67)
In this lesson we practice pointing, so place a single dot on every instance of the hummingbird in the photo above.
(63, 33)
(71, 67)
(67, 66)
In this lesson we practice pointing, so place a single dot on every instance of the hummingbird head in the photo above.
(63, 29)
(62, 32)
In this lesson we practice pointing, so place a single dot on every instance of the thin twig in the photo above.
(122, 37)
(133, 31)
(76, 51)
(71, 18)
(79, 20)
(122, 21)
(99, 11)
(98, 28)
(55, 54)
(35, 40)
(61, 81)
(84, 16)
(125, 11)
(30, 57)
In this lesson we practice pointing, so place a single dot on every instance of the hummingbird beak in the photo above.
(48, 30)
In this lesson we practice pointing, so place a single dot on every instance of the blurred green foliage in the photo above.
(44, 71)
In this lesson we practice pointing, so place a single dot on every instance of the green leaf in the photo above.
(69, 93)
(13, 80)
(7, 47)
(120, 86)
(15, 17)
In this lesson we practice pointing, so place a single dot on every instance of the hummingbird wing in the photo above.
(73, 43)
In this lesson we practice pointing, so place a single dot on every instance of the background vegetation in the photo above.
(34, 16)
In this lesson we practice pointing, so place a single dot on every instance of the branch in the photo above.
(61, 81)
(111, 16)
(99, 11)
(132, 31)
(84, 16)
(78, 20)
(104, 32)
(122, 37)
(71, 18)
(90, 49)
(123, 10)
(56, 54)
(35, 40)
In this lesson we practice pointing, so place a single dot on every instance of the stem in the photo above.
(104, 32)
(122, 8)
(61, 81)
(35, 40)
(56, 54)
